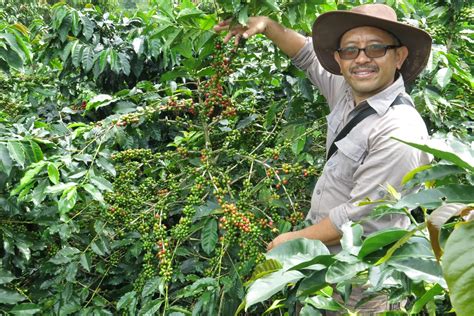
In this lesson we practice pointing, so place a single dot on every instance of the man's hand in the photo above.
(289, 41)
(255, 25)
(280, 239)
(324, 231)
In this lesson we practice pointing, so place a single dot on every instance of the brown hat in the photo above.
(330, 26)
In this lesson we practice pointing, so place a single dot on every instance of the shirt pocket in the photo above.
(351, 152)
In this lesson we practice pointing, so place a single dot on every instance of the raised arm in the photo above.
(289, 41)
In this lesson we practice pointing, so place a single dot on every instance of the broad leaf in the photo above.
(10, 297)
(6, 276)
(36, 151)
(28, 177)
(419, 269)
(17, 152)
(449, 149)
(297, 251)
(426, 298)
(343, 271)
(433, 198)
(380, 239)
(326, 303)
(458, 268)
(26, 309)
(53, 173)
(209, 236)
(265, 287)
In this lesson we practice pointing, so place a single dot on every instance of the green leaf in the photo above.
(265, 287)
(124, 63)
(53, 173)
(100, 247)
(65, 28)
(101, 183)
(272, 5)
(296, 251)
(450, 149)
(12, 42)
(6, 276)
(443, 77)
(94, 192)
(36, 150)
(308, 310)
(76, 54)
(17, 152)
(427, 173)
(138, 44)
(380, 239)
(67, 200)
(114, 62)
(85, 260)
(76, 27)
(87, 26)
(209, 236)
(5, 160)
(64, 255)
(326, 303)
(100, 101)
(433, 198)
(28, 177)
(25, 309)
(87, 59)
(60, 187)
(458, 269)
(126, 300)
(419, 269)
(264, 268)
(151, 308)
(10, 297)
(151, 286)
(426, 298)
(243, 15)
(342, 271)
(312, 283)
(102, 60)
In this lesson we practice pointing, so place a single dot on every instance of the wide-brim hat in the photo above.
(330, 26)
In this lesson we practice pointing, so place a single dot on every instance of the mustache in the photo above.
(364, 67)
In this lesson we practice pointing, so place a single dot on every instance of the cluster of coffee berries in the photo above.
(295, 218)
(165, 260)
(181, 105)
(215, 99)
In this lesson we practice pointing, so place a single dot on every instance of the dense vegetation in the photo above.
(145, 165)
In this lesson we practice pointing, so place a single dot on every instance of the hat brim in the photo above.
(330, 26)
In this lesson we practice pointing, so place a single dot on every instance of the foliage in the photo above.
(394, 262)
(145, 164)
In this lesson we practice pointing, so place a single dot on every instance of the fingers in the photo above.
(237, 39)
(269, 246)
(222, 25)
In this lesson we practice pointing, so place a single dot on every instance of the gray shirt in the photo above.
(367, 159)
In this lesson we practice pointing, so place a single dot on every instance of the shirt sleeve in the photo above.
(387, 161)
(327, 83)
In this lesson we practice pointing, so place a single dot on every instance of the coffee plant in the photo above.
(145, 165)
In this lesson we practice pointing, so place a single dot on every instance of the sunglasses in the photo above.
(371, 51)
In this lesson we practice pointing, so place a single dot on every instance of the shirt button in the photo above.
(318, 192)
(330, 163)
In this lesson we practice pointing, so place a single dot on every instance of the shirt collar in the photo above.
(382, 100)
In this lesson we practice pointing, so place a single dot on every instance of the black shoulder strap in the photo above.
(365, 110)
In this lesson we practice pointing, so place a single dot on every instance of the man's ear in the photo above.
(402, 54)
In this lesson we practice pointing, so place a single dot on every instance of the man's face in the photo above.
(368, 76)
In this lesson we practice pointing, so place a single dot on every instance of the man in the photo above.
(375, 55)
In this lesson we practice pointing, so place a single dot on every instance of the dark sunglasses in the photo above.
(371, 51)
